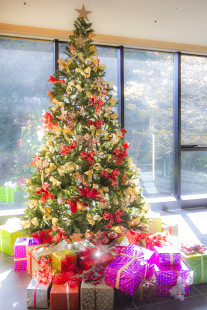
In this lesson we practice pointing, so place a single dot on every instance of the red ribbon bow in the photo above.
(60, 235)
(48, 123)
(98, 123)
(67, 148)
(119, 155)
(53, 80)
(113, 217)
(89, 156)
(112, 176)
(44, 272)
(93, 193)
(95, 100)
(37, 162)
(45, 194)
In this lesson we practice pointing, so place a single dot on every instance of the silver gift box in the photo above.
(41, 295)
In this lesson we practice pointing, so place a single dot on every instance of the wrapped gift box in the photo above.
(128, 269)
(44, 236)
(135, 237)
(7, 191)
(198, 264)
(9, 232)
(21, 252)
(167, 275)
(63, 297)
(29, 256)
(96, 297)
(165, 290)
(94, 256)
(37, 294)
(43, 252)
(168, 255)
(171, 229)
(147, 291)
(154, 223)
(57, 258)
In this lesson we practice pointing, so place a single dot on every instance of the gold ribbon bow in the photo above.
(65, 131)
(46, 213)
(92, 218)
(57, 105)
(51, 168)
(112, 115)
(67, 168)
(33, 204)
(75, 54)
(54, 181)
(86, 72)
(89, 173)
(96, 131)
(35, 221)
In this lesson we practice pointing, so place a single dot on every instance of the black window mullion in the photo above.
(55, 55)
(120, 82)
(177, 127)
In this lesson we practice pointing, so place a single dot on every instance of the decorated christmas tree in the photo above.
(84, 179)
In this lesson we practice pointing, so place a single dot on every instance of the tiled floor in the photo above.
(192, 227)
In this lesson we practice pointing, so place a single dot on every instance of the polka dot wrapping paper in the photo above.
(128, 269)
(167, 275)
(21, 252)
(168, 255)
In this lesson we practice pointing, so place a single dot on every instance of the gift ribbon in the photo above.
(126, 265)
(167, 226)
(35, 296)
(202, 269)
(68, 296)
(32, 257)
(171, 258)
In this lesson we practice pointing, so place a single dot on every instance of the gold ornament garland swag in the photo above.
(84, 179)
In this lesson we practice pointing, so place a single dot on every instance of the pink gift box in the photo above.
(128, 269)
(165, 290)
(21, 252)
(167, 275)
(168, 255)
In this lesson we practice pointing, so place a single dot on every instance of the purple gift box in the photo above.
(128, 269)
(168, 255)
(165, 290)
(20, 252)
(167, 275)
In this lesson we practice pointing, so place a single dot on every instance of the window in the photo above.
(148, 118)
(25, 68)
(193, 125)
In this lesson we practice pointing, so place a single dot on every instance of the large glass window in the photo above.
(193, 124)
(25, 67)
(148, 116)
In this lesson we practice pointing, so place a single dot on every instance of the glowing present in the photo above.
(167, 275)
(128, 269)
(168, 255)
(21, 252)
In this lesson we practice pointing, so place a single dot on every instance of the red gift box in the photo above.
(44, 236)
(63, 296)
(91, 257)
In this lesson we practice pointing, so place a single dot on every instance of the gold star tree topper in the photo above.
(83, 13)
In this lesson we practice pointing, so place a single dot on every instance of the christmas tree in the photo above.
(84, 178)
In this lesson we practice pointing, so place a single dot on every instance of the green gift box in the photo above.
(7, 194)
(198, 264)
(8, 235)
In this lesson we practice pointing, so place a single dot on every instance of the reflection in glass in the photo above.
(193, 173)
(25, 68)
(148, 117)
(193, 100)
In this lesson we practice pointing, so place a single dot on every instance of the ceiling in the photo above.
(180, 21)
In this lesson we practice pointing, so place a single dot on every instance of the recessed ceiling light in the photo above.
(177, 8)
(25, 3)
(156, 21)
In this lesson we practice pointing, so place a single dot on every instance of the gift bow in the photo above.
(89, 156)
(60, 235)
(98, 123)
(112, 176)
(195, 248)
(93, 193)
(51, 168)
(44, 272)
(119, 155)
(86, 73)
(45, 193)
(113, 217)
(66, 130)
(57, 105)
(66, 168)
(87, 139)
(89, 173)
